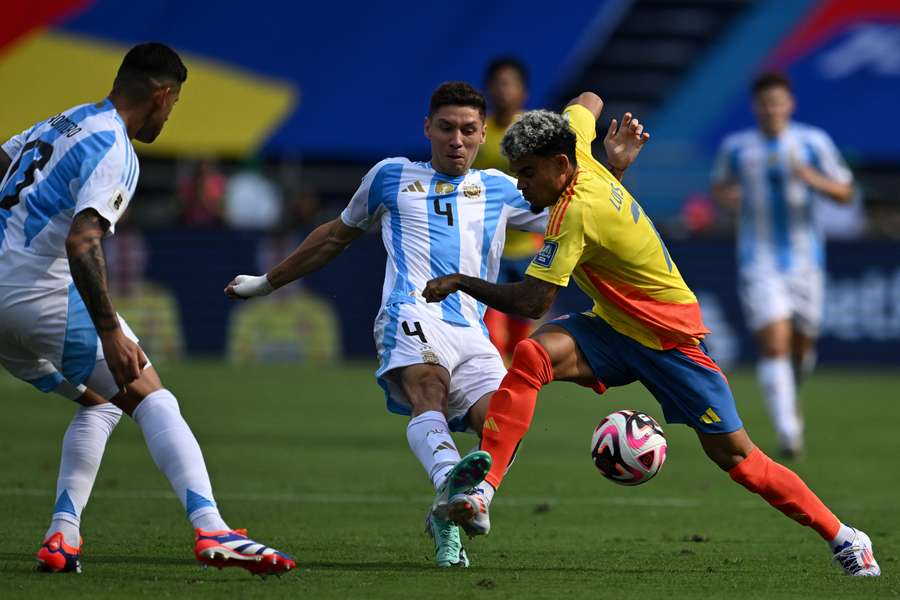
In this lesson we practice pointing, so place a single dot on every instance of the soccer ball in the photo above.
(628, 447)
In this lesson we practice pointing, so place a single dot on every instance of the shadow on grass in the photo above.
(425, 568)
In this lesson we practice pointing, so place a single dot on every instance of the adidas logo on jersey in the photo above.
(415, 187)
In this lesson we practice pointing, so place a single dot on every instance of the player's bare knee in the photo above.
(775, 340)
(476, 415)
(568, 362)
(428, 390)
(727, 450)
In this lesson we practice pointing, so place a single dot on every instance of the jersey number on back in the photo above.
(46, 151)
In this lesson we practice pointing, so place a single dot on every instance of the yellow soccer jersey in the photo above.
(598, 233)
(519, 244)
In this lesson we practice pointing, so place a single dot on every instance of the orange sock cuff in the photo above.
(531, 360)
(784, 490)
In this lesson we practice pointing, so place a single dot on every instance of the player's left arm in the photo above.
(548, 272)
(530, 298)
(87, 263)
(622, 142)
(836, 190)
(830, 177)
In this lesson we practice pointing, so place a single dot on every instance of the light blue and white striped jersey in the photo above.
(776, 226)
(434, 224)
(81, 158)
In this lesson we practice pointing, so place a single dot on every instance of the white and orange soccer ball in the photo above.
(628, 447)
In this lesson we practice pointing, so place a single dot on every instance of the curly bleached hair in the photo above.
(539, 133)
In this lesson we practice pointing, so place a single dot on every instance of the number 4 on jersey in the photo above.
(416, 330)
(446, 211)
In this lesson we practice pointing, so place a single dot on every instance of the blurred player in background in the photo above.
(68, 181)
(773, 175)
(506, 80)
(645, 325)
(437, 364)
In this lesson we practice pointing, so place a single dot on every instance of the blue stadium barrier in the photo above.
(862, 325)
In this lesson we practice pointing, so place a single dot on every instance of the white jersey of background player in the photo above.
(774, 175)
(67, 181)
(437, 218)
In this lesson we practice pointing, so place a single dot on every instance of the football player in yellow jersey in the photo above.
(506, 82)
(645, 326)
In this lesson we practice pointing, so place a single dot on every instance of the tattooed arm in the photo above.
(529, 298)
(88, 267)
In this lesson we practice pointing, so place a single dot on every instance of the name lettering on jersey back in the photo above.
(64, 125)
(616, 196)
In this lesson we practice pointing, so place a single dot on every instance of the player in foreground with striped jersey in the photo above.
(67, 181)
(774, 175)
(645, 326)
(437, 364)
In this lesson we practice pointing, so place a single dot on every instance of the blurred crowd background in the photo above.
(287, 105)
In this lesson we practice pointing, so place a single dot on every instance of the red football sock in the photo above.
(517, 330)
(512, 406)
(496, 321)
(783, 489)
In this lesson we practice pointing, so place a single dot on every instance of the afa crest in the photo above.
(471, 190)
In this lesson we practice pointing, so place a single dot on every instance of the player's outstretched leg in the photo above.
(177, 454)
(506, 422)
(232, 548)
(426, 388)
(448, 548)
(777, 379)
(82, 450)
(454, 500)
(784, 490)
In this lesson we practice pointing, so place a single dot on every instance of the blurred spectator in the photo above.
(698, 215)
(293, 325)
(252, 201)
(303, 212)
(200, 195)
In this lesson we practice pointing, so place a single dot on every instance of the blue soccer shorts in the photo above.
(685, 380)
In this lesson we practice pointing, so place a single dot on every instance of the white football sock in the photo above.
(487, 491)
(779, 389)
(806, 365)
(177, 454)
(429, 439)
(82, 450)
(844, 535)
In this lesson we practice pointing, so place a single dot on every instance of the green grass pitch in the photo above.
(310, 461)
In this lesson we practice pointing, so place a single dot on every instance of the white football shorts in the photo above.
(768, 295)
(408, 334)
(47, 338)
